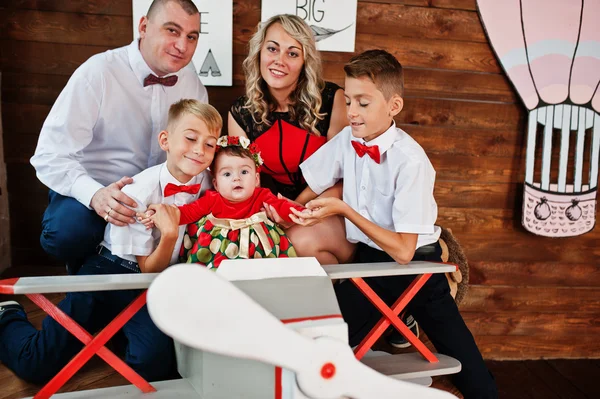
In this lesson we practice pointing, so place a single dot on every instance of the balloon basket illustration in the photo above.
(564, 207)
(550, 50)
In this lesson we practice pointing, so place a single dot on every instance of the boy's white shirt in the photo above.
(396, 194)
(148, 188)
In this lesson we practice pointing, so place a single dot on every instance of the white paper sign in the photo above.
(332, 21)
(214, 55)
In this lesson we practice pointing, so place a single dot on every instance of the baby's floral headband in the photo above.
(252, 148)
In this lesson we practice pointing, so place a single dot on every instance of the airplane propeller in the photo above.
(200, 309)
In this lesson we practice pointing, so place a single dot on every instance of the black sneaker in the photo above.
(10, 306)
(398, 340)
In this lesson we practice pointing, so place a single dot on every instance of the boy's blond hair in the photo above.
(382, 68)
(205, 112)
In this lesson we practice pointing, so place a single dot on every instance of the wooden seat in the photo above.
(164, 390)
(407, 366)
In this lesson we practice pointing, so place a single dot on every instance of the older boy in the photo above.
(390, 213)
(189, 141)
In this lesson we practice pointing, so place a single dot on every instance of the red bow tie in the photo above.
(172, 189)
(153, 80)
(362, 149)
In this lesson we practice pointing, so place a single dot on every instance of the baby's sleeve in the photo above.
(191, 213)
(282, 206)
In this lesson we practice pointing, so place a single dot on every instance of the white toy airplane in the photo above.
(202, 310)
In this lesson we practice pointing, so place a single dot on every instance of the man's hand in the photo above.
(317, 210)
(108, 203)
(166, 219)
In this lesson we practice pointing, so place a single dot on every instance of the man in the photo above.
(104, 125)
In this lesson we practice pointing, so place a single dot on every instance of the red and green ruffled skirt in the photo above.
(211, 240)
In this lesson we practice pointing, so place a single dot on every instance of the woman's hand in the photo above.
(319, 209)
(166, 219)
(303, 218)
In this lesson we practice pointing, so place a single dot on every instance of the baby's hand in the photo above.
(166, 219)
(274, 216)
(145, 218)
(304, 218)
(319, 209)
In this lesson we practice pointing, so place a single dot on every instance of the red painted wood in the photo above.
(94, 346)
(278, 388)
(7, 285)
(74, 328)
(372, 337)
(328, 371)
(329, 316)
(390, 316)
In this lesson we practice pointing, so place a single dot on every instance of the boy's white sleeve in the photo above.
(414, 208)
(133, 239)
(326, 166)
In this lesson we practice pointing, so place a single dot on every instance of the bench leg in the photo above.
(93, 345)
(391, 316)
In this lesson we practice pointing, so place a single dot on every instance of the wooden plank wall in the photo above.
(530, 297)
(4, 214)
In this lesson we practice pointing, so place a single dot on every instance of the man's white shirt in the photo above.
(396, 194)
(105, 123)
(148, 188)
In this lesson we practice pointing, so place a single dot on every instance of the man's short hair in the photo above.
(188, 6)
(205, 112)
(381, 67)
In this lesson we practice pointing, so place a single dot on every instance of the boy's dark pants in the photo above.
(70, 231)
(434, 309)
(38, 355)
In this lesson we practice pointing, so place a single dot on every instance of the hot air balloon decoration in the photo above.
(550, 50)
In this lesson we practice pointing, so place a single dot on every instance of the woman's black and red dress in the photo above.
(284, 144)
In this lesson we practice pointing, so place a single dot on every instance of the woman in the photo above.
(289, 111)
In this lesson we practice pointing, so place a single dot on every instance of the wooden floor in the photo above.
(546, 379)
(549, 379)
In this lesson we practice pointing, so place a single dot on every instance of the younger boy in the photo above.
(390, 213)
(36, 356)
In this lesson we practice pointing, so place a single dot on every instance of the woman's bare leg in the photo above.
(326, 241)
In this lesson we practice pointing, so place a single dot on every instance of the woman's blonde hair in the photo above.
(305, 100)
